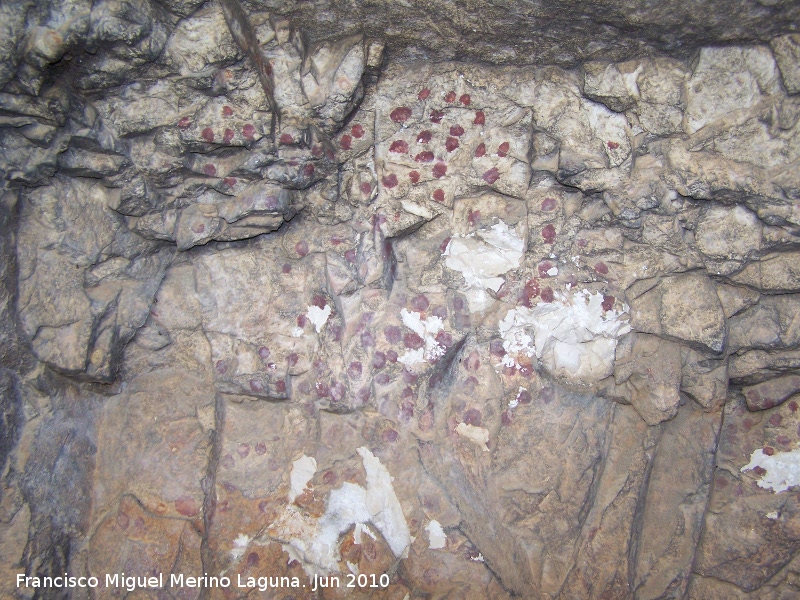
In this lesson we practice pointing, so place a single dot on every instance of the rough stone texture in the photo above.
(499, 309)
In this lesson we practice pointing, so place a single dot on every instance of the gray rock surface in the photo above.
(495, 300)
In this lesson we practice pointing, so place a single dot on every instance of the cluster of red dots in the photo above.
(207, 134)
(401, 114)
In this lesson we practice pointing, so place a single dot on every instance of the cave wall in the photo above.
(499, 301)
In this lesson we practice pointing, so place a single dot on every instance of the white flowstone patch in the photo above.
(477, 435)
(412, 357)
(427, 330)
(239, 546)
(303, 470)
(514, 402)
(436, 536)
(318, 316)
(482, 257)
(572, 336)
(782, 469)
(314, 541)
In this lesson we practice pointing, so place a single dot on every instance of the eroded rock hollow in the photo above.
(457, 300)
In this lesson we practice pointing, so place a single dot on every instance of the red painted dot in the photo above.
(473, 217)
(450, 97)
(436, 116)
(424, 137)
(465, 99)
(308, 169)
(775, 420)
(601, 268)
(451, 144)
(184, 505)
(530, 291)
(350, 255)
(612, 145)
(456, 130)
(357, 130)
(390, 180)
(480, 118)
(227, 136)
(793, 406)
(439, 170)
(345, 142)
(229, 181)
(413, 341)
(502, 149)
(286, 139)
(292, 359)
(301, 247)
(400, 114)
(414, 176)
(209, 169)
(768, 450)
(316, 150)
(608, 302)
(438, 195)
(548, 204)
(420, 302)
(248, 131)
(549, 234)
(399, 146)
(547, 294)
(480, 150)
(473, 417)
(491, 175)
(366, 188)
(423, 94)
(208, 134)
(392, 334)
(543, 268)
(184, 123)
(227, 111)
(424, 156)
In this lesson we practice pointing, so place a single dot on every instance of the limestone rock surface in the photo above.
(480, 300)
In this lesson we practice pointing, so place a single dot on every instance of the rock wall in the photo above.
(362, 304)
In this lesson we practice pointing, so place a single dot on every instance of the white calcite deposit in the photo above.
(303, 470)
(437, 538)
(782, 469)
(482, 257)
(425, 329)
(314, 542)
(574, 337)
(318, 316)
(477, 435)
